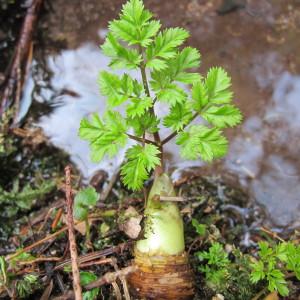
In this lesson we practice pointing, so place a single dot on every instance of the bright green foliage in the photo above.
(200, 228)
(172, 94)
(202, 142)
(86, 278)
(117, 90)
(199, 96)
(120, 57)
(218, 85)
(186, 59)
(84, 200)
(217, 261)
(138, 107)
(141, 160)
(223, 116)
(229, 278)
(135, 25)
(292, 259)
(179, 116)
(27, 285)
(105, 137)
(144, 123)
(136, 41)
(273, 263)
(164, 47)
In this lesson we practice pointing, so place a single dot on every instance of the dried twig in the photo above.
(52, 236)
(72, 240)
(47, 292)
(95, 255)
(39, 259)
(172, 199)
(117, 290)
(110, 277)
(18, 69)
(272, 234)
(56, 219)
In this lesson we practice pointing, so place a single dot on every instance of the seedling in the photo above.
(275, 264)
(83, 202)
(86, 278)
(136, 41)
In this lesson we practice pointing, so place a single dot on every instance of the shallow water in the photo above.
(258, 45)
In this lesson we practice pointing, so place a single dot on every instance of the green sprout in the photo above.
(275, 264)
(86, 278)
(136, 41)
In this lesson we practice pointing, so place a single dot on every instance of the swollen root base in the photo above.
(162, 277)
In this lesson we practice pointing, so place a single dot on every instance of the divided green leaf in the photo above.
(179, 116)
(222, 116)
(105, 137)
(121, 57)
(202, 142)
(135, 25)
(164, 47)
(138, 106)
(218, 85)
(140, 161)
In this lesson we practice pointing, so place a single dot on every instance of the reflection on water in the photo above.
(75, 71)
(262, 154)
(265, 154)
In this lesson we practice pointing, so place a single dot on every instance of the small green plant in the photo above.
(216, 266)
(136, 42)
(86, 278)
(274, 264)
(229, 277)
(167, 77)
(22, 199)
(83, 202)
(27, 285)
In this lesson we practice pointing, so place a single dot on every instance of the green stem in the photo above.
(141, 140)
(151, 110)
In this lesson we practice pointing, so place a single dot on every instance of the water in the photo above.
(257, 46)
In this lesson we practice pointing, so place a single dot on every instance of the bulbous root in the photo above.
(162, 277)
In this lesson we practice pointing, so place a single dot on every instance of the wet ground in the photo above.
(259, 46)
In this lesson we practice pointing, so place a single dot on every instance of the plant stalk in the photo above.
(156, 136)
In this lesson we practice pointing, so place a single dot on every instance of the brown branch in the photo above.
(172, 135)
(110, 277)
(54, 235)
(95, 255)
(18, 69)
(272, 234)
(72, 240)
